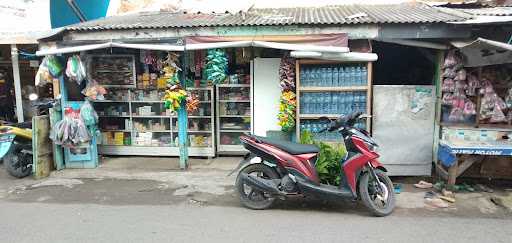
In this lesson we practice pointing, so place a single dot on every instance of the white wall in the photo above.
(266, 94)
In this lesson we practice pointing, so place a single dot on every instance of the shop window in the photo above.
(403, 65)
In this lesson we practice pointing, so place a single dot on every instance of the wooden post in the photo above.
(297, 95)
(452, 173)
(17, 82)
(183, 120)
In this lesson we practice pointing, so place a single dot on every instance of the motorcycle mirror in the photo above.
(33, 96)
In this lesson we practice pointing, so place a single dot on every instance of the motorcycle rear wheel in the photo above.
(253, 198)
(14, 164)
(379, 205)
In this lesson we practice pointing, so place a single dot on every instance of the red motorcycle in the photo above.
(281, 169)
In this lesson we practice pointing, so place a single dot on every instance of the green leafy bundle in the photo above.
(328, 163)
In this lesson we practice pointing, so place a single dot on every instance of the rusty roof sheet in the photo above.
(330, 15)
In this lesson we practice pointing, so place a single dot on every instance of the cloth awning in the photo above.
(483, 52)
(79, 48)
(337, 43)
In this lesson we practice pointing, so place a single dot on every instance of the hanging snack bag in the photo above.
(461, 75)
(451, 59)
(508, 99)
(497, 115)
(94, 91)
(449, 73)
(469, 108)
(473, 84)
(448, 98)
(456, 115)
(448, 85)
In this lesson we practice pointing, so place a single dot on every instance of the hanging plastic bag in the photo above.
(88, 114)
(54, 65)
(43, 75)
(75, 69)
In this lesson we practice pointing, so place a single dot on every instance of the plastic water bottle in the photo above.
(319, 106)
(301, 110)
(358, 76)
(342, 76)
(326, 101)
(307, 103)
(364, 78)
(323, 76)
(328, 76)
(334, 103)
(303, 77)
(352, 76)
(349, 102)
(335, 77)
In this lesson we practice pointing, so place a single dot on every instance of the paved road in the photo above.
(36, 222)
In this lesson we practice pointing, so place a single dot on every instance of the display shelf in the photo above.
(229, 130)
(113, 116)
(113, 71)
(106, 70)
(110, 101)
(115, 130)
(153, 130)
(228, 116)
(354, 97)
(151, 116)
(316, 116)
(147, 101)
(168, 120)
(333, 89)
(233, 85)
(234, 99)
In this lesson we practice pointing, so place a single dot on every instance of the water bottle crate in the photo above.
(341, 75)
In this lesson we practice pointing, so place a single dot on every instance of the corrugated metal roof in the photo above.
(492, 11)
(343, 14)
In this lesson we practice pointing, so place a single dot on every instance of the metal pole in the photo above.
(17, 82)
(183, 119)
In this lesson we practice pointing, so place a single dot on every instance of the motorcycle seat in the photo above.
(290, 147)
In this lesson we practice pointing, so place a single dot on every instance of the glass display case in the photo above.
(135, 122)
(112, 70)
(234, 111)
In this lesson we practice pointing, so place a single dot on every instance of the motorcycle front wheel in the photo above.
(377, 196)
(16, 163)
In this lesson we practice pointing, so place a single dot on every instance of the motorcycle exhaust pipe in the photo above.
(260, 183)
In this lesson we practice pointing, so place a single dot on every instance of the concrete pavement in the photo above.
(123, 201)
